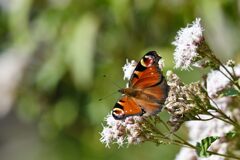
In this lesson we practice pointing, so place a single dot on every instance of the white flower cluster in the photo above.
(128, 69)
(186, 43)
(217, 81)
(127, 131)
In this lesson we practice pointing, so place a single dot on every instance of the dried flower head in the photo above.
(184, 102)
(231, 63)
(187, 42)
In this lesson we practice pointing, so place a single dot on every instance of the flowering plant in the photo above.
(210, 108)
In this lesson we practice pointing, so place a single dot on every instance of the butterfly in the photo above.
(146, 92)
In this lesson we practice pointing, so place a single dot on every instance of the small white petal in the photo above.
(106, 136)
(111, 121)
(120, 141)
(135, 140)
(128, 69)
(161, 63)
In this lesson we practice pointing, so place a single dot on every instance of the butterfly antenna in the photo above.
(112, 82)
(100, 99)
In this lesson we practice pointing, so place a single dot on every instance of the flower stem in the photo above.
(230, 121)
(232, 78)
(211, 152)
(205, 50)
(180, 141)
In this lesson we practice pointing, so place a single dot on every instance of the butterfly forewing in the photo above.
(150, 77)
(147, 71)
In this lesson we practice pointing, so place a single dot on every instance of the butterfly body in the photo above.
(147, 89)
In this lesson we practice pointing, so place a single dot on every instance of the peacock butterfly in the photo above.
(147, 89)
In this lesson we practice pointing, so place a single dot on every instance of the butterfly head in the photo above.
(121, 90)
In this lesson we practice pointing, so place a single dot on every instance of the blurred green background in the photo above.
(54, 53)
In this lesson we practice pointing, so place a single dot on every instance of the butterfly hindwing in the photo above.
(125, 107)
(159, 92)
(149, 107)
(157, 96)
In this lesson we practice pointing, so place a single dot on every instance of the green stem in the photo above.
(171, 141)
(181, 141)
(211, 152)
(224, 155)
(207, 52)
(218, 110)
(164, 124)
(222, 119)
(154, 128)
(230, 121)
(233, 78)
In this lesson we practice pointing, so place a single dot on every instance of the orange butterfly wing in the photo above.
(126, 106)
(147, 90)
(156, 98)
(148, 77)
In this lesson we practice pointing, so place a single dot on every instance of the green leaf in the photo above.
(202, 147)
(231, 134)
(230, 92)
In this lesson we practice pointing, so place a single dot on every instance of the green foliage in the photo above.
(231, 92)
(232, 134)
(202, 147)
